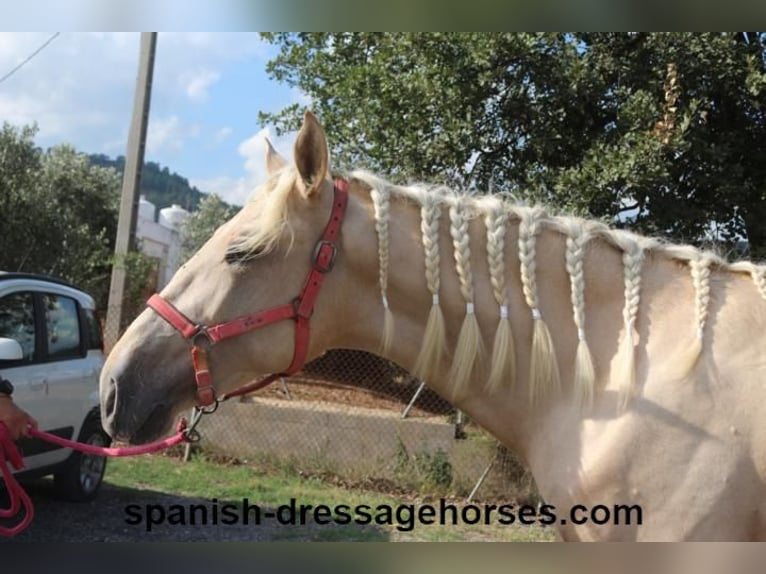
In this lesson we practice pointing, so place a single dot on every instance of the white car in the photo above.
(51, 351)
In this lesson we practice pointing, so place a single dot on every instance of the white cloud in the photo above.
(57, 90)
(80, 88)
(164, 133)
(222, 134)
(215, 47)
(238, 190)
(197, 84)
(231, 190)
(169, 134)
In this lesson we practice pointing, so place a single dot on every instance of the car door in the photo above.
(69, 378)
(20, 320)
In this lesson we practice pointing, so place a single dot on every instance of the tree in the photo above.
(58, 213)
(200, 225)
(79, 219)
(667, 128)
(158, 184)
(20, 163)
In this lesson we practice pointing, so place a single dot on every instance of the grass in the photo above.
(271, 486)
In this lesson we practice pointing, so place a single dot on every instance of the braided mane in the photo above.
(439, 203)
(496, 214)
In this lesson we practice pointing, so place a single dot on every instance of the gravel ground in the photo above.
(104, 520)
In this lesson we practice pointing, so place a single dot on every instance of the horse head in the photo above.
(259, 261)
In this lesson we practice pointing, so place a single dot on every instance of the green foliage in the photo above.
(667, 128)
(20, 163)
(58, 213)
(424, 471)
(201, 225)
(81, 204)
(141, 271)
(158, 184)
(437, 469)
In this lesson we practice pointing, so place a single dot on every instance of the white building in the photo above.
(160, 237)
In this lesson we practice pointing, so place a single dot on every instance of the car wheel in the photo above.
(81, 477)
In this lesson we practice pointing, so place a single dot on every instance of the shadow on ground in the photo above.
(121, 514)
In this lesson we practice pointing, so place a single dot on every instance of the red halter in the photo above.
(300, 310)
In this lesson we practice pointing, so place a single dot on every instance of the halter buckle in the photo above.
(321, 261)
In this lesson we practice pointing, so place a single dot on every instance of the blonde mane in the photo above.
(439, 203)
(259, 234)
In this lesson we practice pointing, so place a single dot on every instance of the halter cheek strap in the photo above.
(300, 310)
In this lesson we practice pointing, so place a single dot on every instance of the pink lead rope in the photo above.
(10, 456)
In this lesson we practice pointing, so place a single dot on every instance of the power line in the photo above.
(32, 55)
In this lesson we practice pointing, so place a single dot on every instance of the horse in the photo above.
(625, 371)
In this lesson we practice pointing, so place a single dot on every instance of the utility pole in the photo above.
(131, 183)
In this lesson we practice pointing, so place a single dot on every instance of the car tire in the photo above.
(82, 474)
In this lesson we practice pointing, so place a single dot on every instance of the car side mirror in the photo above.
(10, 350)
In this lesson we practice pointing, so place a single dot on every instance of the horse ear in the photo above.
(274, 161)
(311, 157)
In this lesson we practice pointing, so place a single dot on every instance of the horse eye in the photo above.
(232, 257)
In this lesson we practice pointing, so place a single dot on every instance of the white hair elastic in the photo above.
(435, 299)
(469, 308)
(503, 311)
(385, 300)
(536, 314)
(581, 334)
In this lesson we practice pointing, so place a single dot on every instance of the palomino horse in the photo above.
(623, 370)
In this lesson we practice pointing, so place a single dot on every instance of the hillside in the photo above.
(158, 184)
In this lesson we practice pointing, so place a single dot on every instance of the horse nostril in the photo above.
(109, 403)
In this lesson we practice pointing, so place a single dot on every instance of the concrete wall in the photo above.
(352, 442)
(348, 438)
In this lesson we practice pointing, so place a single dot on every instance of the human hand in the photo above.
(18, 421)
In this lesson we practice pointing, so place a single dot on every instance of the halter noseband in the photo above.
(300, 310)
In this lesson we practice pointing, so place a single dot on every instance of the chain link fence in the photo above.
(362, 419)
(359, 419)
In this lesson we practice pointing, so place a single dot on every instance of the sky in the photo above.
(207, 91)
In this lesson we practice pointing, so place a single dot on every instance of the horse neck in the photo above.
(506, 411)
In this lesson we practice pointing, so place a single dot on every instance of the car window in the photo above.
(17, 321)
(63, 326)
(94, 330)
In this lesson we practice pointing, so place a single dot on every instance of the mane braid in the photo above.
(470, 349)
(700, 272)
(543, 369)
(503, 362)
(584, 373)
(758, 274)
(632, 261)
(380, 196)
(434, 337)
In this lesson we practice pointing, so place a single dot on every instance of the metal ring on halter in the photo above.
(209, 410)
(202, 332)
